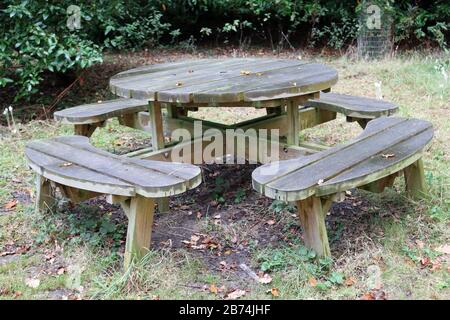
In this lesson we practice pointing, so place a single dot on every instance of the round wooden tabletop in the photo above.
(224, 80)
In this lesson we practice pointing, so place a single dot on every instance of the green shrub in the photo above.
(35, 38)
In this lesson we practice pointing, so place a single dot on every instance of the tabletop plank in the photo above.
(152, 85)
(224, 80)
(146, 176)
(353, 106)
(265, 82)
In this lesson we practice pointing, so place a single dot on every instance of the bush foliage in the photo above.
(35, 38)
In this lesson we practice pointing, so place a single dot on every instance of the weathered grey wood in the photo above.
(312, 212)
(72, 161)
(140, 223)
(229, 80)
(153, 82)
(274, 84)
(98, 112)
(386, 146)
(354, 107)
(44, 195)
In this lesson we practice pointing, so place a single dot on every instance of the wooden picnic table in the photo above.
(279, 85)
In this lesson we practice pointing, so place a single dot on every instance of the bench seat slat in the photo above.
(289, 166)
(179, 170)
(75, 176)
(352, 106)
(149, 178)
(97, 112)
(379, 165)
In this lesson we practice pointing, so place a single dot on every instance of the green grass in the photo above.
(396, 233)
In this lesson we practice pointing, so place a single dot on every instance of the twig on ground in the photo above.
(249, 272)
(60, 96)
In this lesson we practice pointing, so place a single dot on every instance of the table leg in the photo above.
(292, 122)
(156, 125)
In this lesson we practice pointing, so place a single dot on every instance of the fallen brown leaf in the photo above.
(374, 295)
(424, 261)
(275, 292)
(350, 281)
(367, 296)
(312, 281)
(265, 279)
(213, 288)
(4, 291)
(11, 204)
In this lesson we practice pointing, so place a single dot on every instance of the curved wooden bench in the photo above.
(359, 109)
(387, 146)
(82, 171)
(88, 117)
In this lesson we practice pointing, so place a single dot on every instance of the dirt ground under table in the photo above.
(224, 220)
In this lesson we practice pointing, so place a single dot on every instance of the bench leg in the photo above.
(140, 222)
(87, 129)
(44, 194)
(415, 180)
(312, 212)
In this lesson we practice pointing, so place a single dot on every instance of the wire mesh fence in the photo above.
(375, 32)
